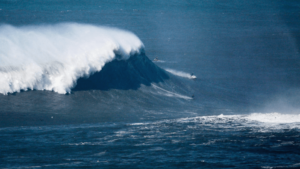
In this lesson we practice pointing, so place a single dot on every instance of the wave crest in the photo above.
(53, 57)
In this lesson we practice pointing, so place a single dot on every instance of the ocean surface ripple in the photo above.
(206, 141)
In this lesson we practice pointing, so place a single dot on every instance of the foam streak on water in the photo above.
(167, 93)
(261, 121)
(180, 73)
(53, 57)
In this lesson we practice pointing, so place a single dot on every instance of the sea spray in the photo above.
(53, 57)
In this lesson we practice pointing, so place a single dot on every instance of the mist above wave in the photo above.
(53, 57)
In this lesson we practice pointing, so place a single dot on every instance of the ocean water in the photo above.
(108, 84)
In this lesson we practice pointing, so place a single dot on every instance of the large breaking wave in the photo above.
(53, 57)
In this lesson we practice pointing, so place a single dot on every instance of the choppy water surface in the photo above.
(221, 141)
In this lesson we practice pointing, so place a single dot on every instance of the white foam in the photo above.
(274, 117)
(53, 57)
(181, 74)
(263, 121)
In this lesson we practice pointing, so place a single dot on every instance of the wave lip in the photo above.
(53, 57)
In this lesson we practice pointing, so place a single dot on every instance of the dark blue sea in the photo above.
(150, 84)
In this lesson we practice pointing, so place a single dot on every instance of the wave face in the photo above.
(53, 57)
(124, 75)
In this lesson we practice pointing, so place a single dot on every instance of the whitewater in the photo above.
(53, 57)
(181, 74)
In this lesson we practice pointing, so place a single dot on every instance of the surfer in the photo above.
(193, 76)
(193, 96)
(155, 59)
